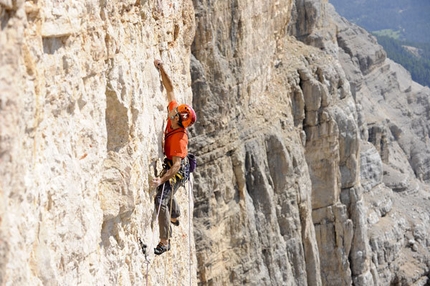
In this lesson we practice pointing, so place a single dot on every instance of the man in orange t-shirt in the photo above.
(176, 140)
(174, 172)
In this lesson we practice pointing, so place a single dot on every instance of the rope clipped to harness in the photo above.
(188, 165)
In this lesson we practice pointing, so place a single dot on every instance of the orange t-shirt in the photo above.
(175, 140)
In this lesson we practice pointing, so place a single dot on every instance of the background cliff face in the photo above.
(292, 141)
(312, 146)
(313, 149)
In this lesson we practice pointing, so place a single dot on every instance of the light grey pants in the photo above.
(169, 207)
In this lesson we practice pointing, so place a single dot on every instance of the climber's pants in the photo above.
(169, 208)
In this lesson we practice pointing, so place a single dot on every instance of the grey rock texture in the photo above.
(395, 112)
(327, 93)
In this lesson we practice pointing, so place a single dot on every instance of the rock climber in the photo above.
(175, 169)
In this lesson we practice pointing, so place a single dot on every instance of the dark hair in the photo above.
(180, 120)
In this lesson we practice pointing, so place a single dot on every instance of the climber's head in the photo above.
(187, 115)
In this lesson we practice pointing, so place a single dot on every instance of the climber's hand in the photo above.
(158, 63)
(156, 182)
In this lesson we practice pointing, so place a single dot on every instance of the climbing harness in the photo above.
(183, 173)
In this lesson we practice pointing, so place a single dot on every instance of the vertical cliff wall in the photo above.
(81, 114)
(393, 112)
(286, 126)
(304, 116)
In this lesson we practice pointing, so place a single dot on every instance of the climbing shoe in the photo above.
(175, 222)
(161, 248)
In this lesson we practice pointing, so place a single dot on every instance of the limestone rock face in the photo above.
(81, 114)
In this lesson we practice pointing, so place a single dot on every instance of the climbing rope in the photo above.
(172, 192)
(190, 197)
(170, 213)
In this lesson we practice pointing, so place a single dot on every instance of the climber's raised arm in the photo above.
(166, 80)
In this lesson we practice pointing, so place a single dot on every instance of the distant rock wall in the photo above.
(299, 98)
(318, 100)
(394, 116)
